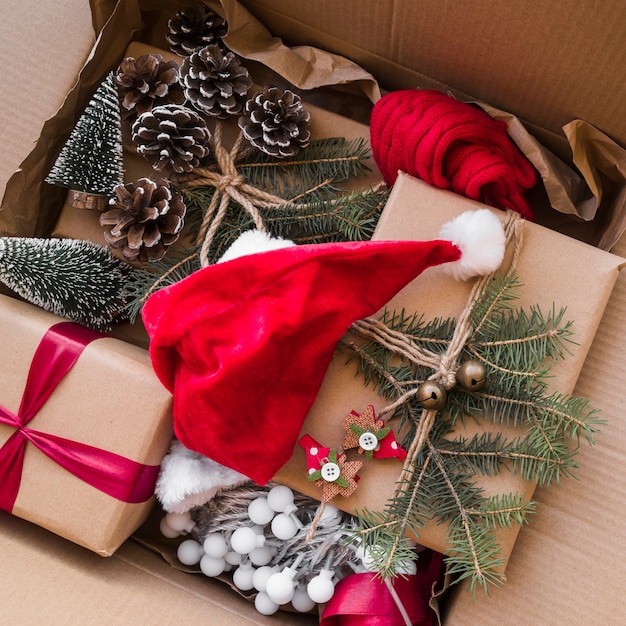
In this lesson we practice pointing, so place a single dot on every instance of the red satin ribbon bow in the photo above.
(115, 475)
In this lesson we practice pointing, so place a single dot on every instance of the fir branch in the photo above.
(319, 167)
(482, 454)
(155, 275)
(515, 345)
(503, 510)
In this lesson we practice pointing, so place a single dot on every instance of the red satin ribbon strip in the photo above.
(363, 600)
(115, 475)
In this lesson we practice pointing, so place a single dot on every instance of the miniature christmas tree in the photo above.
(499, 378)
(90, 163)
(78, 280)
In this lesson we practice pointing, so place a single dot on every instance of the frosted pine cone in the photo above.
(194, 28)
(276, 123)
(215, 81)
(172, 136)
(145, 219)
(146, 82)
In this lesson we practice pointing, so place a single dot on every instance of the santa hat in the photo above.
(244, 345)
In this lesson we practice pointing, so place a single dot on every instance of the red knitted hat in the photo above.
(244, 345)
(452, 145)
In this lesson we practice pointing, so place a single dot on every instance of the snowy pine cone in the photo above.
(146, 82)
(215, 81)
(145, 219)
(172, 136)
(193, 28)
(276, 123)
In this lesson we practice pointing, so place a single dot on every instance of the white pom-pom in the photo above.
(253, 241)
(480, 237)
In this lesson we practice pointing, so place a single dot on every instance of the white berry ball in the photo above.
(233, 558)
(406, 568)
(262, 555)
(264, 604)
(189, 552)
(280, 498)
(181, 522)
(331, 516)
(321, 588)
(211, 566)
(259, 579)
(167, 531)
(215, 545)
(245, 539)
(242, 577)
(284, 527)
(301, 600)
(280, 588)
(260, 512)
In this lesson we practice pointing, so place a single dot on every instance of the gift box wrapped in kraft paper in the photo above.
(84, 424)
(554, 271)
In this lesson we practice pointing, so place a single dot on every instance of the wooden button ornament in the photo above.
(431, 395)
(472, 375)
(329, 469)
(371, 436)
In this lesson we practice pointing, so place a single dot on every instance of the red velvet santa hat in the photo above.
(244, 345)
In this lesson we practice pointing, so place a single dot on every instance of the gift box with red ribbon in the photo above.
(84, 424)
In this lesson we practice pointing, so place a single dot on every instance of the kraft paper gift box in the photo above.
(554, 270)
(108, 420)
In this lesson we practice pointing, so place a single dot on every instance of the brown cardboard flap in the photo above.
(110, 399)
(547, 62)
(554, 269)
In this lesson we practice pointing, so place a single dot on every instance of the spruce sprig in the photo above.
(517, 346)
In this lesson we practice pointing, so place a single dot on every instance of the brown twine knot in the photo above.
(229, 185)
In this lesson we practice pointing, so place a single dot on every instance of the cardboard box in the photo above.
(551, 267)
(546, 62)
(109, 399)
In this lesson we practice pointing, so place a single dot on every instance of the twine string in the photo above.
(229, 185)
(445, 364)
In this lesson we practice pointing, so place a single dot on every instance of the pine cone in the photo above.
(145, 219)
(215, 81)
(146, 82)
(276, 122)
(171, 136)
(194, 28)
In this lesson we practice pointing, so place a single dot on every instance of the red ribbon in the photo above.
(364, 600)
(115, 475)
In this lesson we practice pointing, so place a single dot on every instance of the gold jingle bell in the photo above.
(472, 375)
(431, 395)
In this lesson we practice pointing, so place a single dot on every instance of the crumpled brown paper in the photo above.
(590, 203)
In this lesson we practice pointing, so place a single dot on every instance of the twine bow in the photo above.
(444, 365)
(229, 185)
